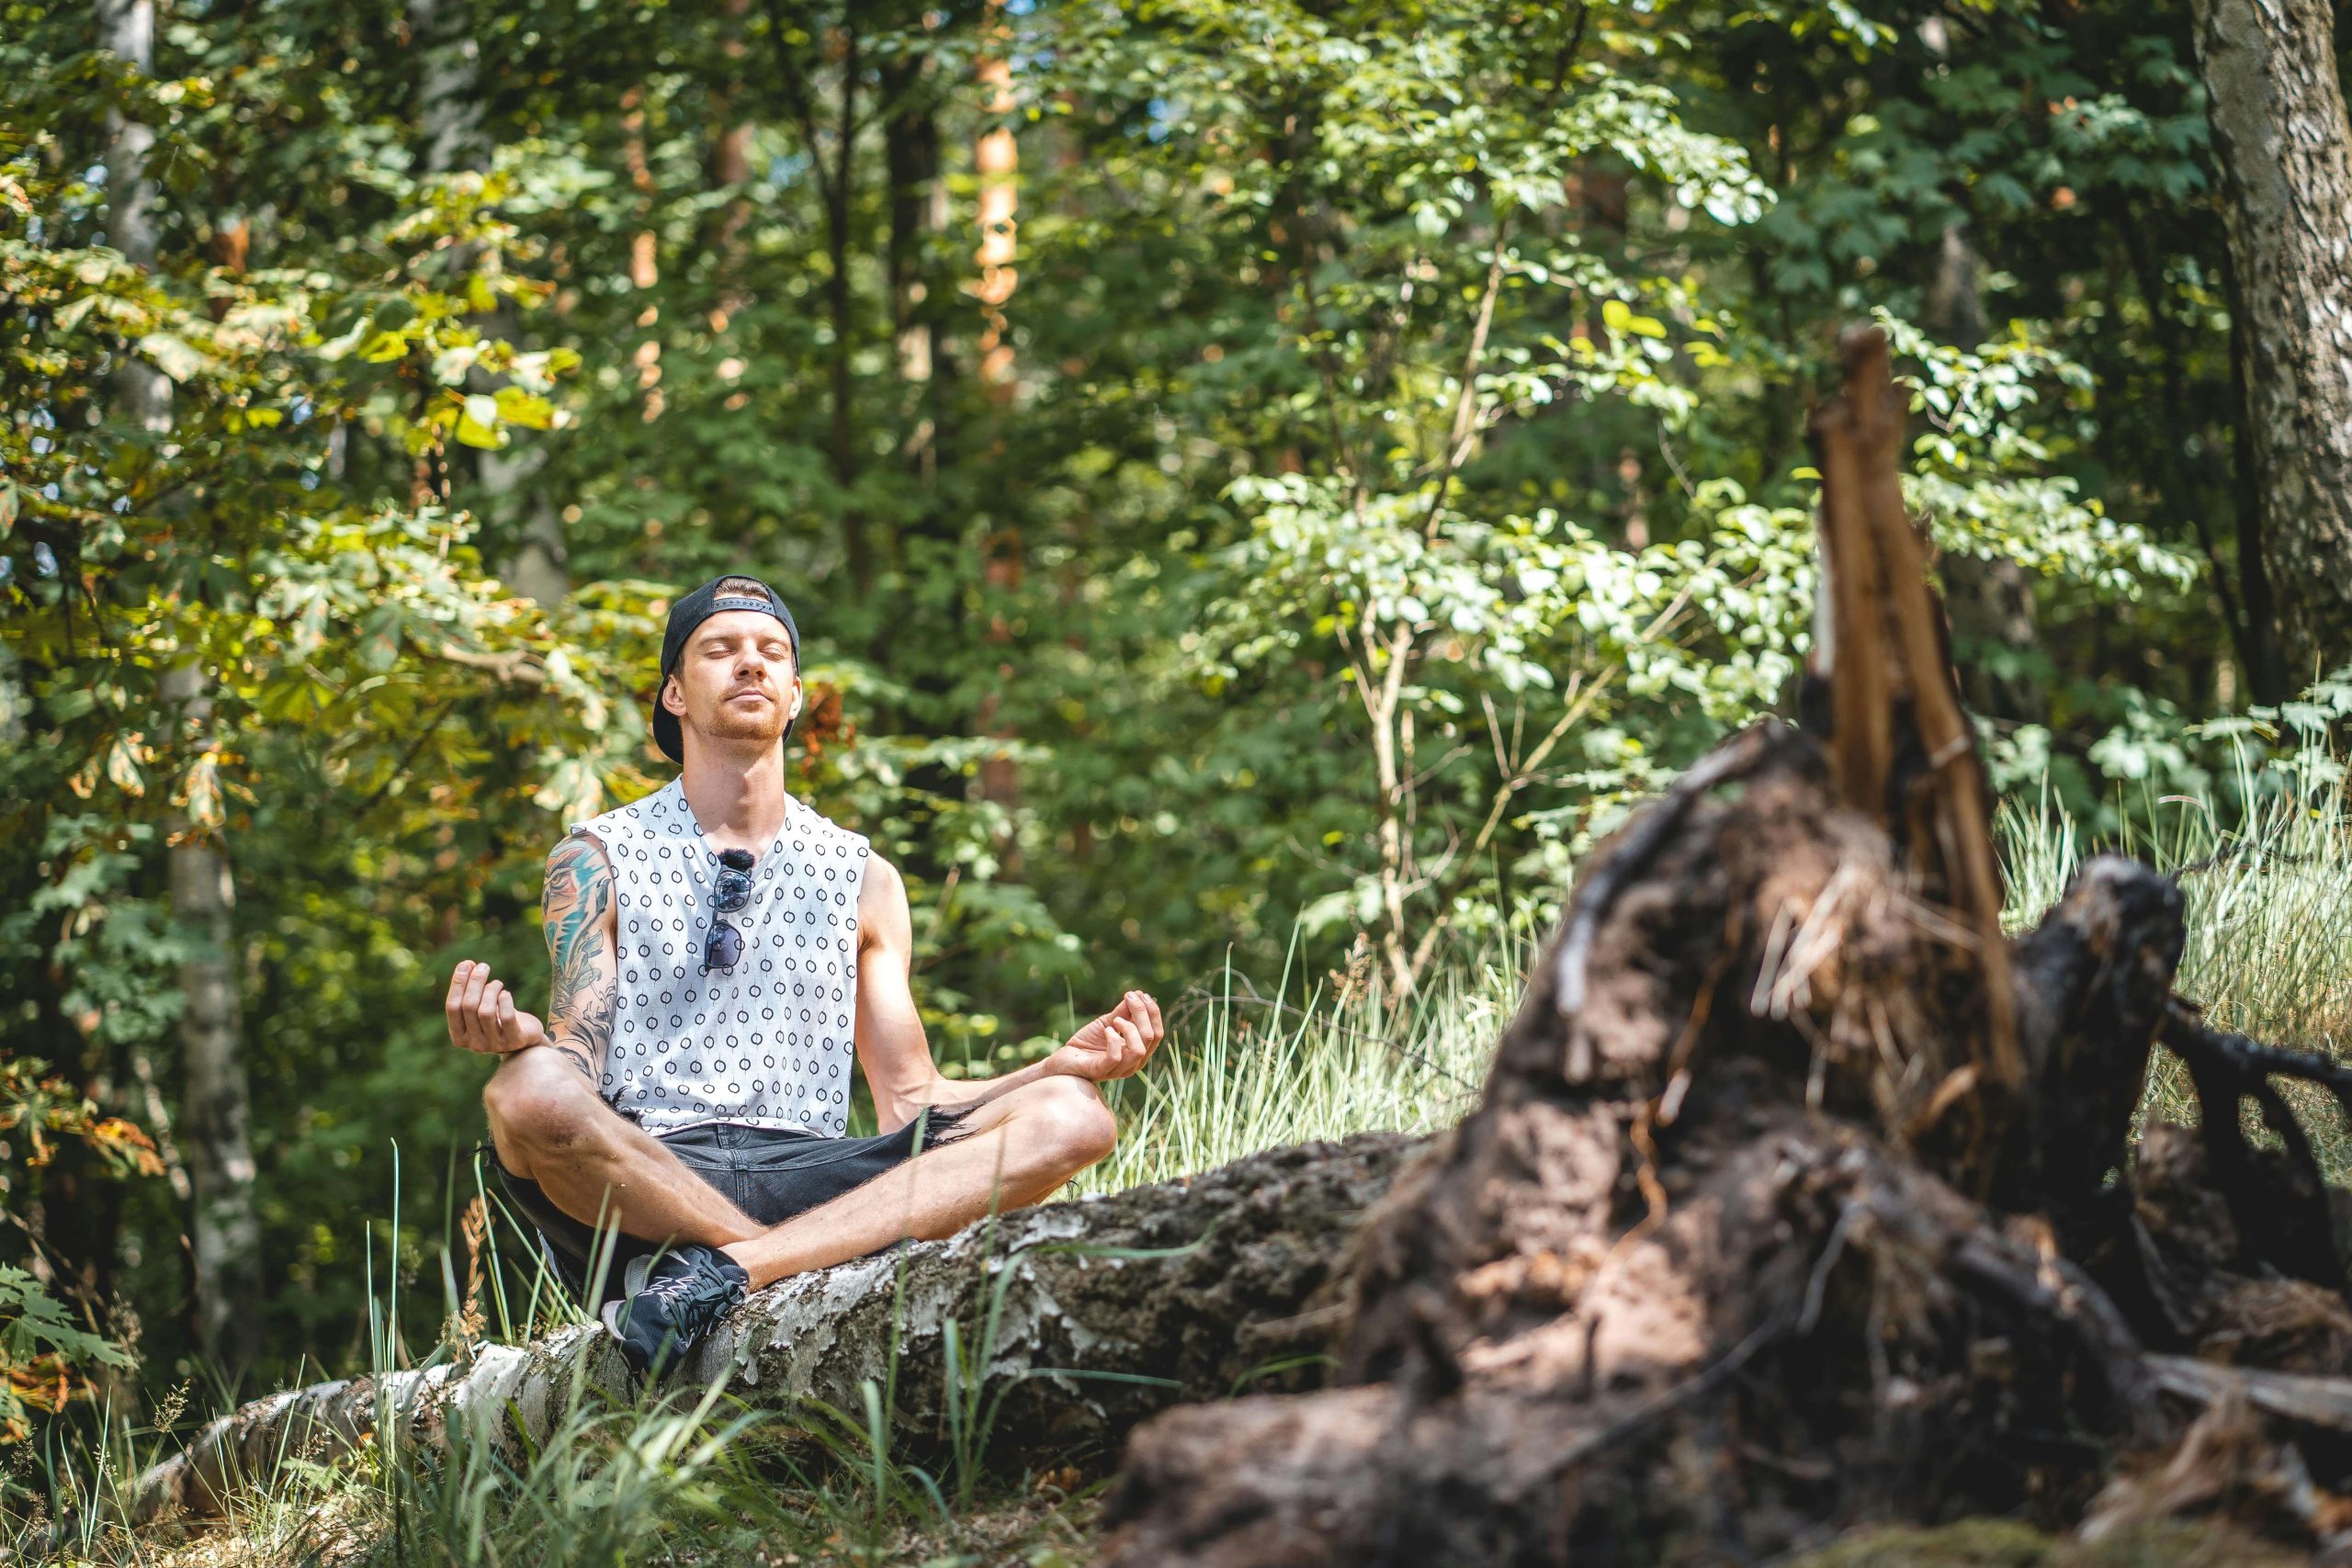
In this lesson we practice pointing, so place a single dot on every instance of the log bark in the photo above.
(2285, 150)
(1112, 1308)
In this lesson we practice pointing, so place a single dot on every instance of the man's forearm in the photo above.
(578, 1053)
(958, 1094)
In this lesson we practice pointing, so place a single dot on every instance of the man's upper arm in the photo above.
(582, 950)
(891, 1044)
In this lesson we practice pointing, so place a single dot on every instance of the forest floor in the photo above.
(2269, 951)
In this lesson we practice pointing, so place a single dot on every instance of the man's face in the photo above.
(735, 682)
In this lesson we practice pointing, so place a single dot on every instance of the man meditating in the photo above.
(721, 954)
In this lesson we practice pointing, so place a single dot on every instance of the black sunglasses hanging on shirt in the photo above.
(723, 948)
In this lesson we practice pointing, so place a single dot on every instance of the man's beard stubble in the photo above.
(731, 723)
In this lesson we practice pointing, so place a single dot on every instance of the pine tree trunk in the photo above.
(2285, 152)
(226, 1240)
(996, 159)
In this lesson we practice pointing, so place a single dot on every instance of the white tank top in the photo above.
(767, 1044)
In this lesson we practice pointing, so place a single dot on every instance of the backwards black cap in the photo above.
(692, 611)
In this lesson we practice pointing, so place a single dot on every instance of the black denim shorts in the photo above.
(770, 1173)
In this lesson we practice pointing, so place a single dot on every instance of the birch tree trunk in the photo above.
(225, 1234)
(1104, 1311)
(2285, 152)
(215, 1107)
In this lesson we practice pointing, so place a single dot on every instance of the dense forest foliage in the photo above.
(1257, 478)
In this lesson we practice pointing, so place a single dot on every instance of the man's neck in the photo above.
(737, 800)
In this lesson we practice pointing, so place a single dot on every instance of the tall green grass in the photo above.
(2267, 879)
(2269, 882)
(1243, 1072)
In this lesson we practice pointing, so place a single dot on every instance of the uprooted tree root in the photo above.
(1799, 1199)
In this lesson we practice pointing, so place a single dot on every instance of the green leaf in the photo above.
(30, 1317)
(478, 424)
(172, 354)
(1620, 317)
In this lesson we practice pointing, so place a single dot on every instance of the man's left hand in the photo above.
(1114, 1045)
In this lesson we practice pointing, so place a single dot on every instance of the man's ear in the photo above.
(673, 697)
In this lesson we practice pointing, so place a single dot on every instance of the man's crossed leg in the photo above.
(549, 1127)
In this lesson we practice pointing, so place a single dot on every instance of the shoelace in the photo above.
(695, 1299)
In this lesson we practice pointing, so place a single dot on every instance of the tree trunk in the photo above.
(449, 119)
(1990, 601)
(2285, 150)
(918, 214)
(720, 235)
(839, 307)
(2266, 671)
(996, 159)
(1114, 1308)
(226, 1233)
(127, 30)
(215, 1107)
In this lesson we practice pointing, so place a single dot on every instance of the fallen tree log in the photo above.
(1105, 1310)
(1800, 1200)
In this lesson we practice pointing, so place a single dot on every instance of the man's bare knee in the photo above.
(1080, 1128)
(538, 1106)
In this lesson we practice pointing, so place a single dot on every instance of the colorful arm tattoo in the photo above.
(578, 900)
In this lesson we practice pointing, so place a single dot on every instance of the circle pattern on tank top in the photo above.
(767, 1044)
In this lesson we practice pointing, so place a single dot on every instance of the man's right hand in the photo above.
(484, 1017)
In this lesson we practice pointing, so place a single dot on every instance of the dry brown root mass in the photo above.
(1702, 1278)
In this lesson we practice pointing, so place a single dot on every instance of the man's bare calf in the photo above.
(549, 1125)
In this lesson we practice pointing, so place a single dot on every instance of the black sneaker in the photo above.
(672, 1302)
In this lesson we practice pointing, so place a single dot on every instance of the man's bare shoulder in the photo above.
(881, 902)
(882, 882)
(579, 876)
